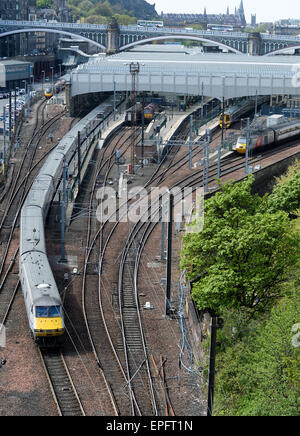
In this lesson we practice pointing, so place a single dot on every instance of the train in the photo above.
(48, 93)
(269, 136)
(234, 113)
(58, 87)
(147, 23)
(41, 295)
(149, 113)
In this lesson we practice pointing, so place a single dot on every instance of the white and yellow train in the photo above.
(42, 298)
(269, 136)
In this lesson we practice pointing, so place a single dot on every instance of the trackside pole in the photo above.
(247, 147)
(212, 362)
(63, 215)
(169, 255)
(191, 142)
(79, 159)
(163, 212)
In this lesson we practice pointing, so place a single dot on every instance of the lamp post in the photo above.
(52, 80)
(169, 255)
(63, 214)
(248, 138)
(191, 143)
(134, 68)
(212, 362)
(4, 137)
(43, 80)
(115, 100)
(26, 98)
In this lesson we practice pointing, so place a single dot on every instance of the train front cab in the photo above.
(240, 146)
(48, 325)
(48, 93)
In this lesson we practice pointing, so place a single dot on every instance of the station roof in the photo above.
(227, 75)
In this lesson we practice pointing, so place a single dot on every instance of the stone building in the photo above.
(14, 10)
(237, 20)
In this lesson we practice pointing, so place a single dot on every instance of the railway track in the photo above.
(133, 377)
(133, 337)
(92, 317)
(133, 360)
(10, 283)
(90, 305)
(62, 387)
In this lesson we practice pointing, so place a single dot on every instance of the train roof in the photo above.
(40, 278)
(32, 229)
(287, 123)
(138, 106)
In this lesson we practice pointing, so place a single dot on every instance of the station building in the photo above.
(13, 73)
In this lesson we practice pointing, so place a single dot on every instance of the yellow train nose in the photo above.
(49, 326)
(241, 148)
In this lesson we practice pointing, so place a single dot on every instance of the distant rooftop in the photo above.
(8, 62)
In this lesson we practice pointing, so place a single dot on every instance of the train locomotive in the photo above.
(41, 295)
(42, 299)
(149, 113)
(234, 113)
(269, 136)
(48, 93)
(59, 86)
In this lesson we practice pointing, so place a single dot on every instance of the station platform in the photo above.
(176, 119)
(109, 129)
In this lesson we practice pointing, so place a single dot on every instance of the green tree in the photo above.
(103, 9)
(242, 256)
(44, 3)
(286, 192)
(107, 8)
(260, 375)
(125, 20)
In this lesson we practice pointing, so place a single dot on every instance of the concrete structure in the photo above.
(119, 38)
(14, 72)
(72, 57)
(113, 36)
(220, 75)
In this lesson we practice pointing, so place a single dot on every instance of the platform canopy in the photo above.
(219, 75)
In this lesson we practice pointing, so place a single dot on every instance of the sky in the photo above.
(266, 10)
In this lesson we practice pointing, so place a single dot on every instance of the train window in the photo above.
(41, 312)
(54, 311)
(47, 311)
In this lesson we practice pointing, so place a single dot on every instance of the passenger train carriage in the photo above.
(269, 136)
(41, 295)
